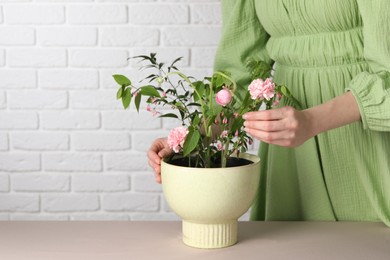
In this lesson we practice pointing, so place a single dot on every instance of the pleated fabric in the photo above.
(319, 49)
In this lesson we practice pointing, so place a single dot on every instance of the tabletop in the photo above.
(161, 240)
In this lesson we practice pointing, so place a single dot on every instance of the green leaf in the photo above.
(149, 91)
(199, 87)
(119, 93)
(122, 80)
(138, 101)
(237, 124)
(126, 98)
(191, 142)
(196, 120)
(171, 115)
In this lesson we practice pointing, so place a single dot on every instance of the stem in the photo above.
(202, 104)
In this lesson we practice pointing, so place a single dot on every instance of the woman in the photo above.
(329, 161)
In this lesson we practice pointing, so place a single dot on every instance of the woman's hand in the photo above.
(284, 126)
(156, 153)
(289, 127)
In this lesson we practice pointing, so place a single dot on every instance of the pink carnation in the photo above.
(223, 97)
(260, 89)
(176, 138)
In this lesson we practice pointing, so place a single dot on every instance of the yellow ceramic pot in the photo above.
(210, 200)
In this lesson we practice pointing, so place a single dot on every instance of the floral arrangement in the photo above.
(210, 110)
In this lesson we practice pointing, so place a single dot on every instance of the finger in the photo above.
(154, 157)
(164, 153)
(158, 179)
(266, 115)
(272, 114)
(269, 137)
(268, 126)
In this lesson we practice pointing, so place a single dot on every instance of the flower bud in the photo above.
(223, 97)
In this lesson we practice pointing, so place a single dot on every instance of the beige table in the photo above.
(162, 240)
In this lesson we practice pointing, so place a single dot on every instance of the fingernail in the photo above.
(244, 116)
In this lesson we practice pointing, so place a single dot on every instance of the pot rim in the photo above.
(251, 157)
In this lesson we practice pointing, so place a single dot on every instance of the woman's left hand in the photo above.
(283, 126)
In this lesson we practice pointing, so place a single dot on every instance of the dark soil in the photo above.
(231, 162)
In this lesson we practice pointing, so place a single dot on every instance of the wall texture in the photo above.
(68, 151)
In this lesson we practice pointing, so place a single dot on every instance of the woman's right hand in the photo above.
(156, 153)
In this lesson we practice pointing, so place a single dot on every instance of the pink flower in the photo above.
(223, 97)
(260, 89)
(219, 146)
(224, 134)
(224, 121)
(176, 138)
(155, 112)
(277, 99)
(236, 115)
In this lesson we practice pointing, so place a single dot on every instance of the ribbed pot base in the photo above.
(214, 235)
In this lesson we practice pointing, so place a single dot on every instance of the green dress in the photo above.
(320, 49)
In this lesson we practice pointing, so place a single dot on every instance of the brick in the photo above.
(125, 161)
(68, 79)
(69, 203)
(124, 36)
(16, 78)
(39, 141)
(100, 141)
(206, 13)
(39, 217)
(203, 57)
(141, 141)
(18, 120)
(67, 36)
(20, 162)
(36, 57)
(70, 120)
(130, 120)
(3, 141)
(15, 35)
(166, 55)
(135, 75)
(65, 1)
(2, 57)
(4, 217)
(4, 182)
(100, 182)
(159, 14)
(97, 14)
(124, 1)
(86, 99)
(40, 182)
(98, 58)
(3, 100)
(19, 203)
(100, 217)
(37, 99)
(146, 183)
(130, 202)
(34, 14)
(71, 162)
(191, 36)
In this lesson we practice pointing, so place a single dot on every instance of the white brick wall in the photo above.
(68, 151)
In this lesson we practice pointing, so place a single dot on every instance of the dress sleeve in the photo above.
(243, 38)
(372, 88)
